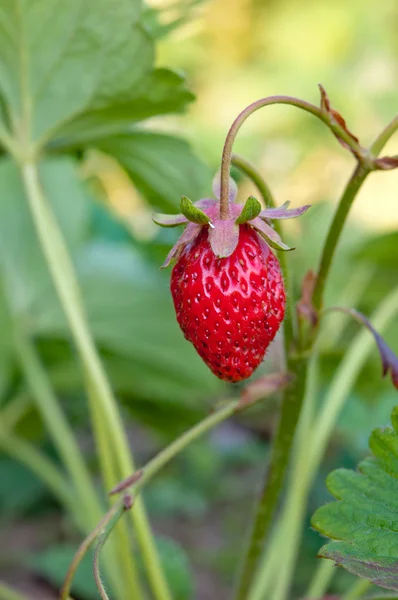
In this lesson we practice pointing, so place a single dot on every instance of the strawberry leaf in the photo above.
(364, 519)
(193, 213)
(251, 210)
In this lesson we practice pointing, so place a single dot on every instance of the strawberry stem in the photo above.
(335, 127)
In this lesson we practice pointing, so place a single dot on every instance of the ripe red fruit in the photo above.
(229, 308)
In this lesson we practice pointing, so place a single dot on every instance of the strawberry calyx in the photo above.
(224, 233)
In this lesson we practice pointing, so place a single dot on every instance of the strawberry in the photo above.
(229, 308)
(227, 285)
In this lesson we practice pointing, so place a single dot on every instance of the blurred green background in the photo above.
(232, 52)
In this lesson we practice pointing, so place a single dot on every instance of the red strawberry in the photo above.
(227, 285)
(229, 308)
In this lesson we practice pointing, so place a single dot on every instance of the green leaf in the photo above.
(58, 59)
(364, 520)
(162, 167)
(193, 213)
(162, 91)
(251, 209)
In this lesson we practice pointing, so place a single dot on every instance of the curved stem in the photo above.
(384, 136)
(83, 549)
(65, 281)
(122, 506)
(249, 110)
(290, 325)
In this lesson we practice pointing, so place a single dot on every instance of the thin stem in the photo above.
(122, 506)
(84, 548)
(358, 177)
(265, 577)
(290, 325)
(321, 580)
(8, 593)
(111, 519)
(65, 281)
(123, 545)
(357, 590)
(249, 110)
(356, 180)
(384, 136)
(266, 504)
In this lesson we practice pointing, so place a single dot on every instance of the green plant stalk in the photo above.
(356, 180)
(84, 548)
(65, 281)
(292, 402)
(64, 441)
(321, 580)
(57, 426)
(148, 472)
(123, 544)
(384, 137)
(357, 590)
(318, 433)
(290, 325)
(8, 593)
(275, 475)
(103, 536)
(265, 576)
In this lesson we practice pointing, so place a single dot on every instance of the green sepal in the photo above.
(251, 210)
(272, 238)
(193, 213)
(168, 220)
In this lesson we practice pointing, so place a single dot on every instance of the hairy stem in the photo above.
(249, 110)
(122, 507)
(65, 281)
(290, 325)
(276, 471)
(84, 548)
